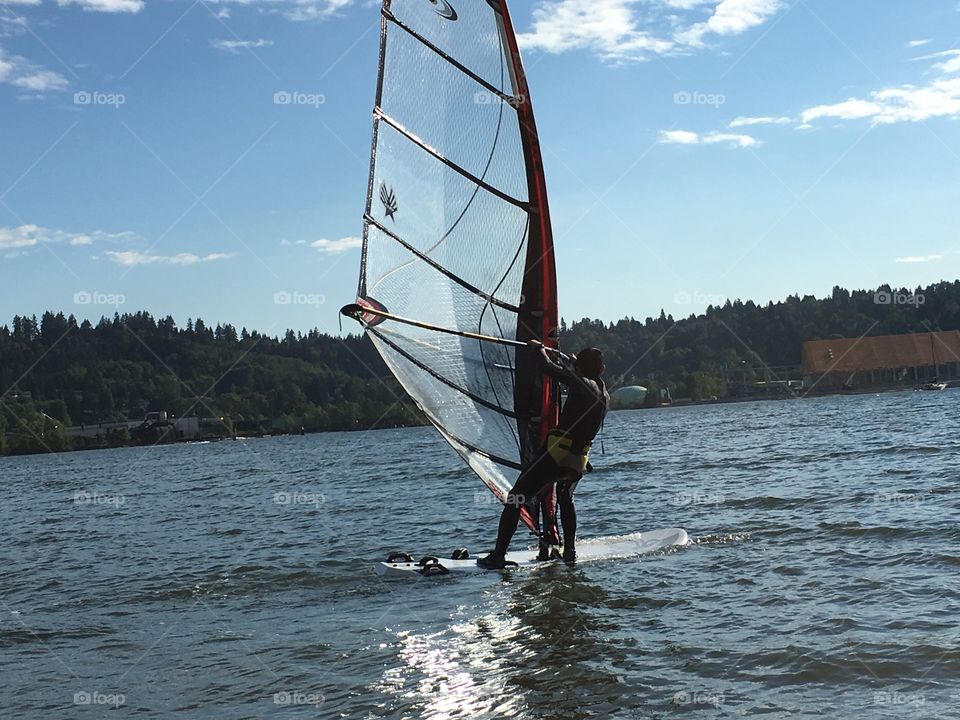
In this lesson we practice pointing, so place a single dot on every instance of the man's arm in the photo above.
(554, 369)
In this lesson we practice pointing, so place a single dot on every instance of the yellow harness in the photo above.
(560, 448)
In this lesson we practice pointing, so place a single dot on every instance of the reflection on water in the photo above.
(538, 633)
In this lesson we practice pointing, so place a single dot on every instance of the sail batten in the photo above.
(446, 381)
(463, 68)
(450, 163)
(440, 268)
(457, 269)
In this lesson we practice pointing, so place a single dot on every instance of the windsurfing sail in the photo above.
(457, 272)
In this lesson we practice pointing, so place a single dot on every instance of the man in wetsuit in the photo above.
(564, 457)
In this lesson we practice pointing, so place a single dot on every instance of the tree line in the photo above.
(57, 372)
(701, 355)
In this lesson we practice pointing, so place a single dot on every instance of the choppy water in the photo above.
(170, 582)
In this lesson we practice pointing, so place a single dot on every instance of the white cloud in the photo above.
(749, 121)
(235, 46)
(106, 6)
(948, 66)
(851, 109)
(296, 10)
(919, 258)
(21, 73)
(907, 103)
(917, 43)
(686, 4)
(606, 27)
(685, 137)
(26, 236)
(337, 246)
(743, 141)
(12, 24)
(129, 258)
(315, 9)
(678, 137)
(730, 17)
(622, 30)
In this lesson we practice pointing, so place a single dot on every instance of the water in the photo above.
(170, 582)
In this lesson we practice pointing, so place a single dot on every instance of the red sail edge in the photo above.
(540, 275)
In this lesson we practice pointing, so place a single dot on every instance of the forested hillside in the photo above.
(54, 371)
(128, 365)
(692, 355)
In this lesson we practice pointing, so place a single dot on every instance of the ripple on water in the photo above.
(820, 581)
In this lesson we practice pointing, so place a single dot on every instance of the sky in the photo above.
(210, 158)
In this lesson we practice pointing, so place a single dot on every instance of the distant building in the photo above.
(628, 398)
(881, 360)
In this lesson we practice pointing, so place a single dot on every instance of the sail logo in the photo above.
(444, 9)
(389, 201)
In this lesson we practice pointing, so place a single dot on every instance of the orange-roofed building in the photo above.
(882, 360)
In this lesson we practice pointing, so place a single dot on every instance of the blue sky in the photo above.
(696, 150)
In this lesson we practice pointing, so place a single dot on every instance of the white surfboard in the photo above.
(618, 546)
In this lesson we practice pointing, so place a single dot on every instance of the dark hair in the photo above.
(590, 361)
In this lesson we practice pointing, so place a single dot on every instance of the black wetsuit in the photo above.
(581, 418)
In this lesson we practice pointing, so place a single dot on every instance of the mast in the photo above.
(539, 313)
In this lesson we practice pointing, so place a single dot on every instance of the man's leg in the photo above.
(528, 484)
(546, 518)
(568, 514)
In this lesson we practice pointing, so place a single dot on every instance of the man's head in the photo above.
(589, 362)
